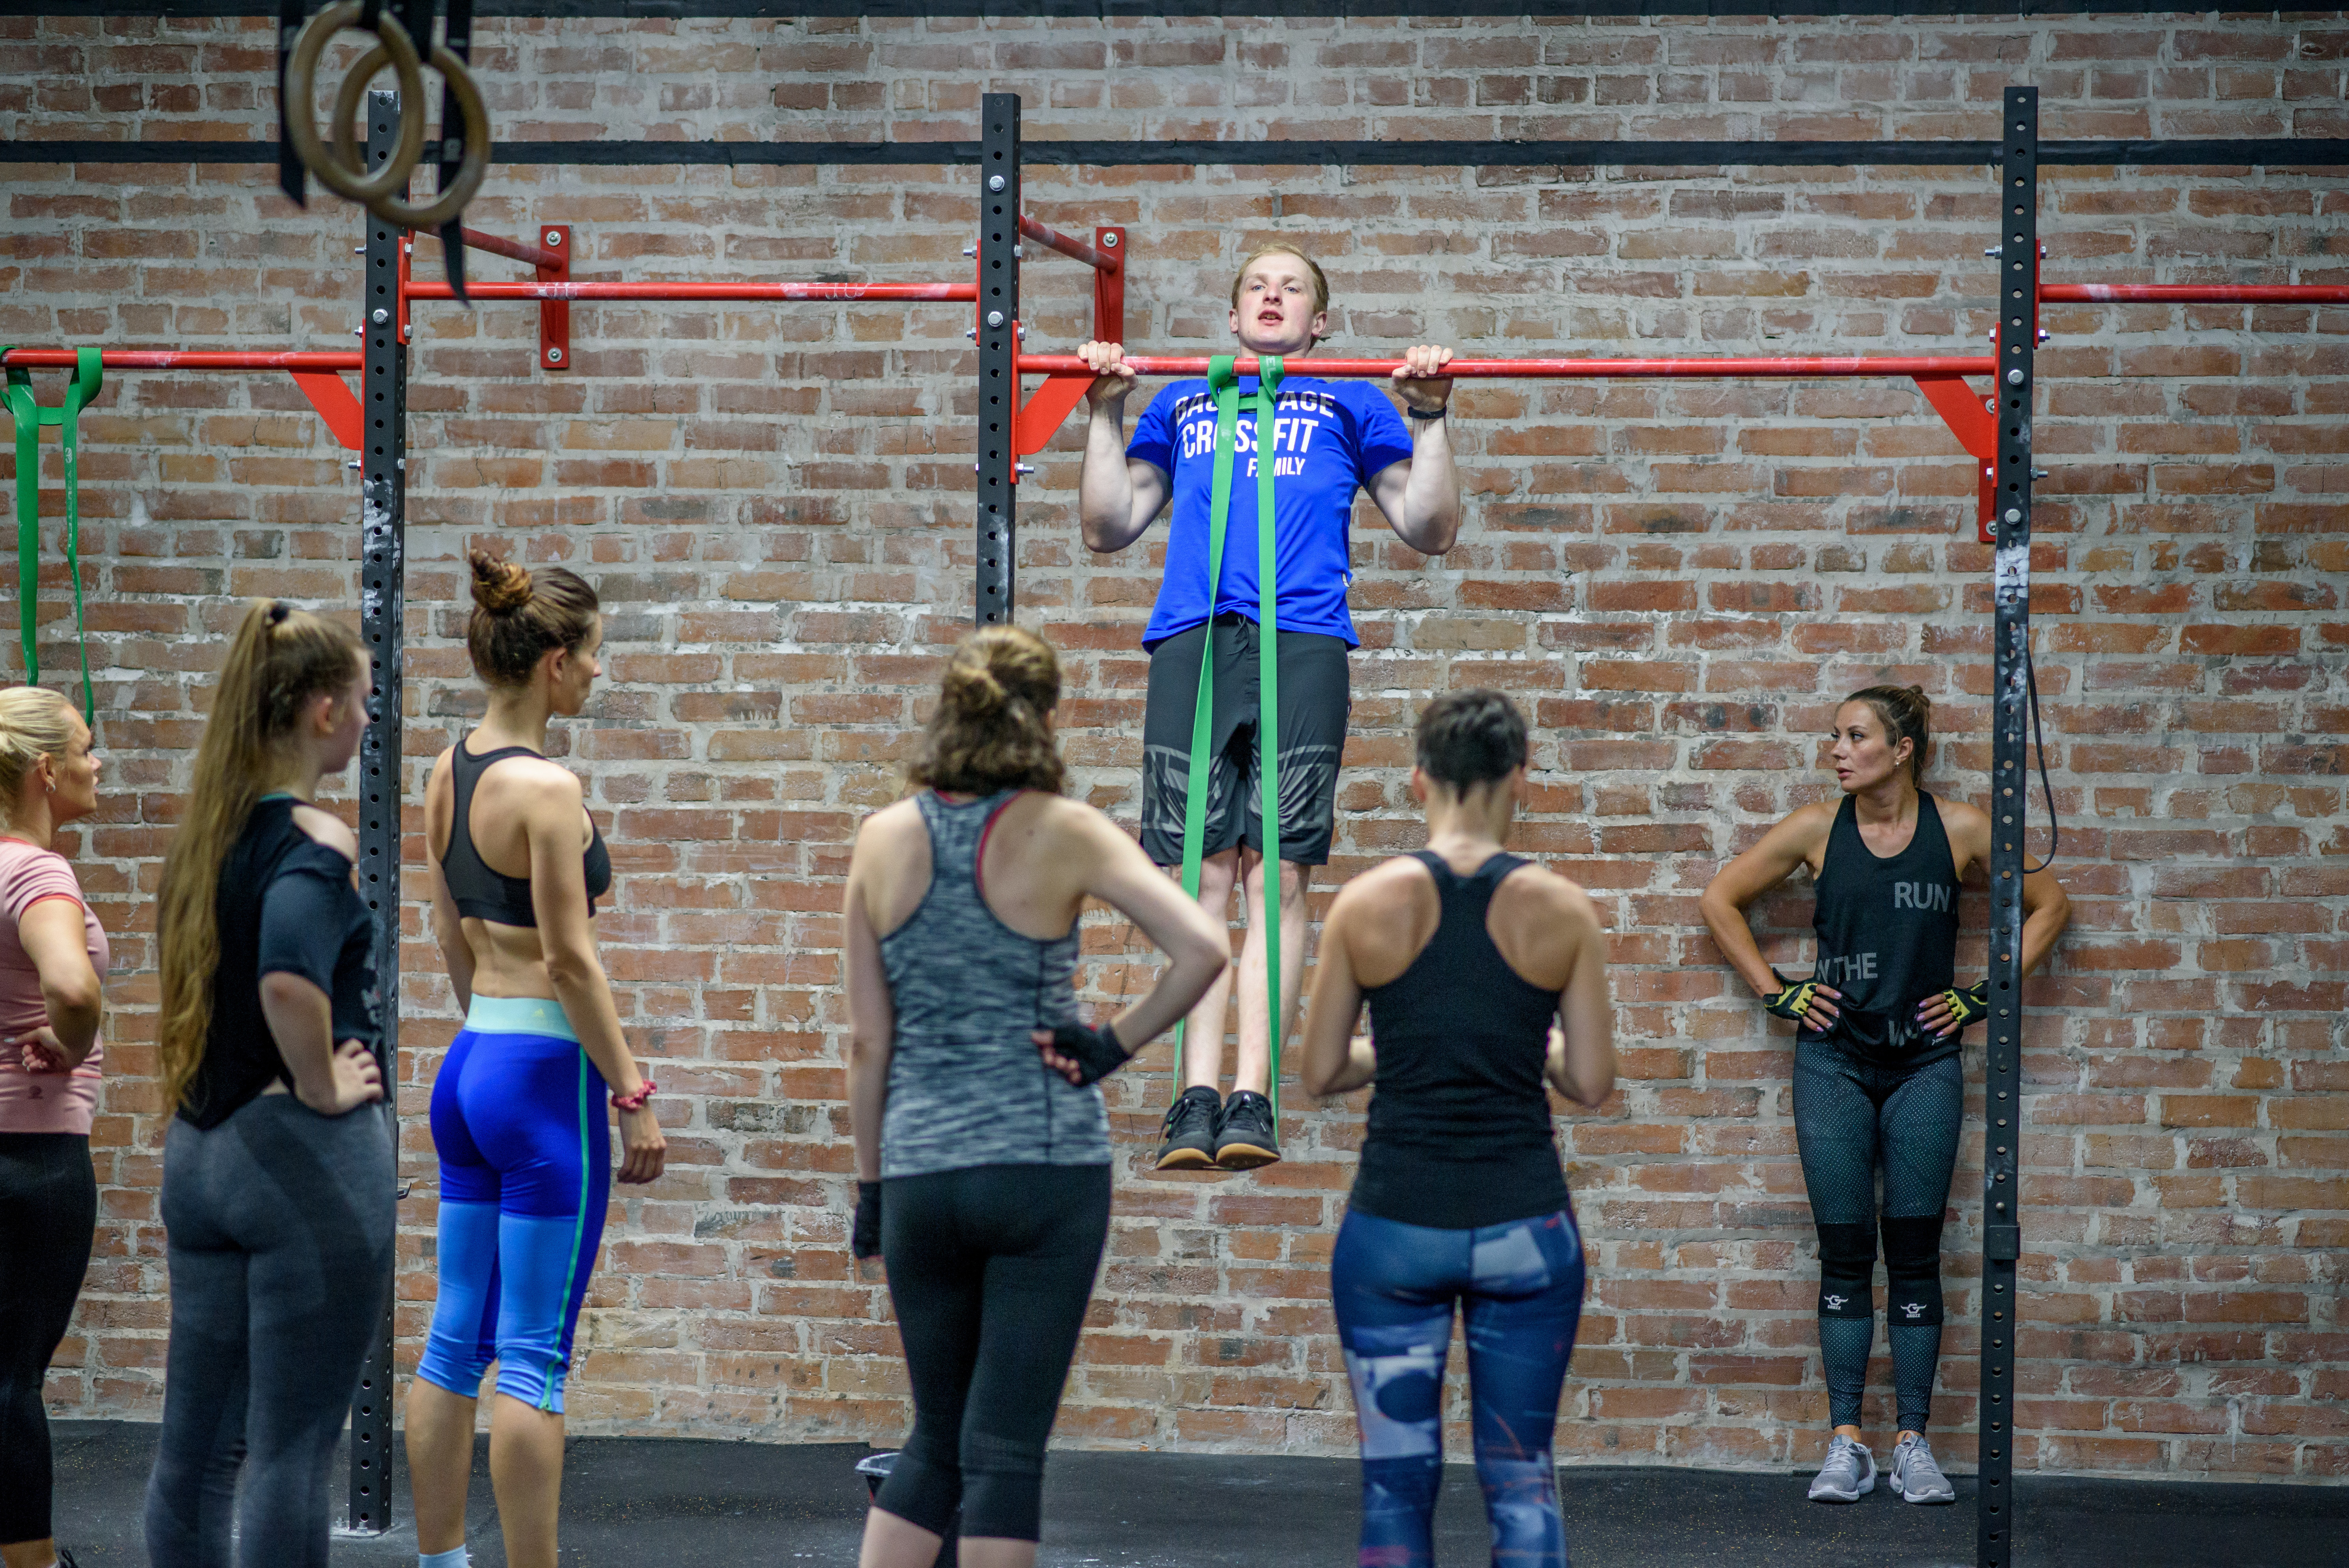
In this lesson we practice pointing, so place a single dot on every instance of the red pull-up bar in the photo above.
(317, 373)
(1075, 250)
(1941, 377)
(428, 288)
(1550, 369)
(514, 250)
(2194, 294)
(190, 359)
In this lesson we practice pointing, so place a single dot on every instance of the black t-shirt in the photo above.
(286, 906)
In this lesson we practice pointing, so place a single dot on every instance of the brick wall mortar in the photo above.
(1677, 580)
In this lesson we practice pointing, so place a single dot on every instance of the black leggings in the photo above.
(990, 1270)
(280, 1224)
(1853, 1116)
(48, 1212)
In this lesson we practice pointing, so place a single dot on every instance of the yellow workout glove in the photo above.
(1794, 998)
(1969, 1004)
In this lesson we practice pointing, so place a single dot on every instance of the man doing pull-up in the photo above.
(1331, 439)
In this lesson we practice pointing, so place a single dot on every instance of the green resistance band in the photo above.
(1224, 381)
(29, 417)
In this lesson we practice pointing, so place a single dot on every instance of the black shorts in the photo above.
(1314, 702)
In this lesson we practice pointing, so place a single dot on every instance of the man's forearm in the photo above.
(1431, 497)
(1104, 485)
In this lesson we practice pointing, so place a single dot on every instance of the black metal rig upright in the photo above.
(2018, 337)
(383, 519)
(998, 355)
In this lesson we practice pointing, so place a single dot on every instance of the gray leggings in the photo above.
(281, 1224)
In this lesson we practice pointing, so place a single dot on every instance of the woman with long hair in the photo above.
(1878, 1086)
(278, 1186)
(518, 1109)
(51, 954)
(982, 1145)
(1486, 980)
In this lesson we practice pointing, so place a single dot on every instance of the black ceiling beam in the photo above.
(2271, 152)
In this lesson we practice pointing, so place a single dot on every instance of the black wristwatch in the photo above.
(1437, 414)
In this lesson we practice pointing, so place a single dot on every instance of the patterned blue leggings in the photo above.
(1519, 1287)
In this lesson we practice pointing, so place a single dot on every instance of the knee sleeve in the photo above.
(1847, 1271)
(1912, 1265)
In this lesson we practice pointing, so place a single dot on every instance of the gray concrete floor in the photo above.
(696, 1504)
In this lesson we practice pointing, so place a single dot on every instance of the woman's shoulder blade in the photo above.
(327, 831)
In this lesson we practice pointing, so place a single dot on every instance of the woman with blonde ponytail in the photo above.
(51, 954)
(518, 1107)
(1878, 1083)
(278, 1180)
(982, 1144)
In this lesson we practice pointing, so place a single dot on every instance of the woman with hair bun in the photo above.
(278, 1183)
(51, 954)
(1878, 1086)
(982, 1146)
(518, 1117)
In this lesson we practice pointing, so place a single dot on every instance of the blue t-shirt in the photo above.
(1328, 438)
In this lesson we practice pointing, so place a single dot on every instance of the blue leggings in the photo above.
(1519, 1287)
(525, 1171)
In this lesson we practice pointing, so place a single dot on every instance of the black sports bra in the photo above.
(485, 894)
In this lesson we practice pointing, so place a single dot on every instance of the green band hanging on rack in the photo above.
(29, 417)
(1224, 381)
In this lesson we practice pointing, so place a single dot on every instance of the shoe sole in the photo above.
(1187, 1159)
(1246, 1155)
(1928, 1496)
(1865, 1487)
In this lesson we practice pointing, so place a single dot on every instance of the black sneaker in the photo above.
(1247, 1137)
(1187, 1141)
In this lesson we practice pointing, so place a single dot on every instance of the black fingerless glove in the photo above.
(864, 1230)
(1969, 1004)
(1794, 998)
(1097, 1053)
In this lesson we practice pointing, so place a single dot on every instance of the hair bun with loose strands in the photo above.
(992, 728)
(500, 587)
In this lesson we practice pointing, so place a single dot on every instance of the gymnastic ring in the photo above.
(301, 89)
(471, 169)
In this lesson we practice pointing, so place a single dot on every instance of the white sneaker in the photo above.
(1916, 1476)
(1849, 1475)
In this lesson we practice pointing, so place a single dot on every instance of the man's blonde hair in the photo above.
(1321, 284)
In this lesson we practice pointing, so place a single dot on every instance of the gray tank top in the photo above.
(966, 1085)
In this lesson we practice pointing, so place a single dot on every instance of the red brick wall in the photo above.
(1676, 579)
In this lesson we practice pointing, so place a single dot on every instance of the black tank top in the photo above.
(1887, 930)
(1459, 1127)
(485, 894)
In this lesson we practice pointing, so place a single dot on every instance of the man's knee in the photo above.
(1294, 878)
(1218, 873)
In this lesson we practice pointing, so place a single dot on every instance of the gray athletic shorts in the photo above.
(1315, 699)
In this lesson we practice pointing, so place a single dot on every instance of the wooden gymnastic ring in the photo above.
(301, 91)
(472, 168)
